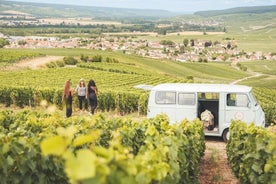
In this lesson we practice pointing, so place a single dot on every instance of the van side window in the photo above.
(208, 96)
(186, 99)
(238, 100)
(165, 97)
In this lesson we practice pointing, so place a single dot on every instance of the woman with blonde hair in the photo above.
(68, 97)
(82, 94)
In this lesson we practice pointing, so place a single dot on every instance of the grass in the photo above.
(262, 81)
(159, 71)
(265, 67)
(217, 178)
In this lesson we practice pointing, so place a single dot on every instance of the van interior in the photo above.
(209, 102)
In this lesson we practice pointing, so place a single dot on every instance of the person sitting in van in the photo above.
(208, 119)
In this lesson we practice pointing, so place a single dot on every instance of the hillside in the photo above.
(59, 11)
(131, 70)
(238, 10)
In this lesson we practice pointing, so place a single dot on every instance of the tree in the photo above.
(208, 44)
(166, 42)
(229, 46)
(3, 42)
(185, 42)
(182, 49)
(70, 60)
(22, 42)
(97, 58)
(84, 58)
(162, 31)
(192, 42)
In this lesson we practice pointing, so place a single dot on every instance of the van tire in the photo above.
(226, 135)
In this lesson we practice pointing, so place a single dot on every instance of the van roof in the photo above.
(193, 87)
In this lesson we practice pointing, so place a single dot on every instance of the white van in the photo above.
(223, 103)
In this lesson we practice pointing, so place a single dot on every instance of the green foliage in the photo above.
(267, 99)
(22, 42)
(162, 31)
(3, 42)
(166, 42)
(55, 64)
(97, 58)
(122, 102)
(12, 56)
(70, 60)
(47, 148)
(20, 156)
(84, 58)
(143, 103)
(251, 153)
(111, 60)
(185, 42)
(25, 96)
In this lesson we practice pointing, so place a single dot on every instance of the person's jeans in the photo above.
(93, 103)
(81, 100)
(68, 106)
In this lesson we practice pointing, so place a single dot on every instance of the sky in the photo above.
(171, 5)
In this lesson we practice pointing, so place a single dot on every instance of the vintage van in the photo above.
(225, 102)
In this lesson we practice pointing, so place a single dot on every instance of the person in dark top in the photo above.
(68, 97)
(92, 95)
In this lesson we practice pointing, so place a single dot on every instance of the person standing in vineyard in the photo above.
(82, 94)
(92, 94)
(67, 95)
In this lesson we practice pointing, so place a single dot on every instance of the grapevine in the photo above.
(97, 150)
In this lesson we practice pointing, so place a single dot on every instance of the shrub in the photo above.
(70, 61)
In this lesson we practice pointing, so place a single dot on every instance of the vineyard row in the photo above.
(42, 148)
(108, 100)
(251, 153)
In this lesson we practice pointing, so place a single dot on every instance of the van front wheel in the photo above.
(226, 135)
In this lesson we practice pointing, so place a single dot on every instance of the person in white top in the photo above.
(82, 94)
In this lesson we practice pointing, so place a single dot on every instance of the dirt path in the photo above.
(214, 167)
(35, 63)
(245, 78)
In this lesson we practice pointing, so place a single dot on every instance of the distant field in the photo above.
(142, 69)
(80, 21)
(254, 32)
(55, 78)
(260, 40)
(265, 67)
(263, 82)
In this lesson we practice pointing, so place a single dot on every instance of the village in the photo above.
(192, 50)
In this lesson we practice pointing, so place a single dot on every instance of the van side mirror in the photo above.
(249, 105)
